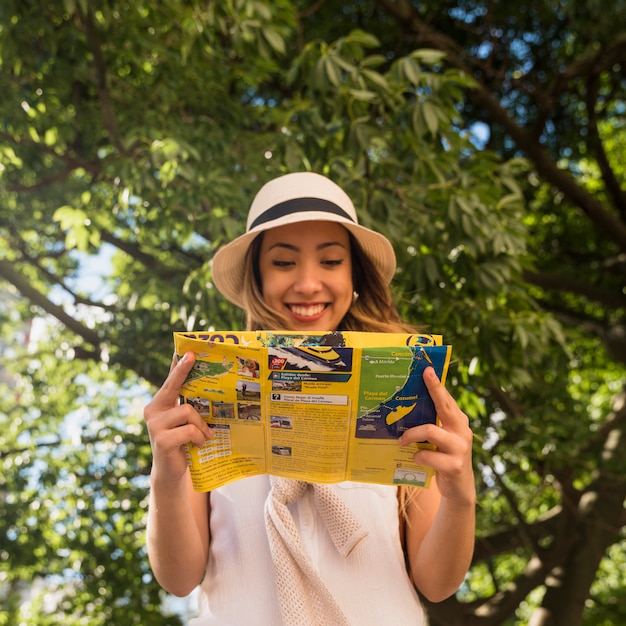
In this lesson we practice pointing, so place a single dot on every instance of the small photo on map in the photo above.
(286, 385)
(416, 477)
(200, 404)
(224, 410)
(281, 450)
(310, 358)
(248, 367)
(280, 422)
(249, 411)
(248, 390)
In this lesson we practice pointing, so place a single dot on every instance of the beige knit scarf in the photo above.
(302, 594)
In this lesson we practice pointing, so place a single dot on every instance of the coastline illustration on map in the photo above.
(410, 405)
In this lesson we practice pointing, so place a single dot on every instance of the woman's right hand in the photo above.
(172, 425)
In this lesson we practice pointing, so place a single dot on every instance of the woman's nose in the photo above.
(308, 279)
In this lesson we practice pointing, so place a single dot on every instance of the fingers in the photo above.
(442, 439)
(451, 418)
(452, 457)
(168, 394)
(448, 411)
(183, 424)
(173, 363)
(171, 424)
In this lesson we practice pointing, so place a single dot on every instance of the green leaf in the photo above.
(332, 71)
(363, 95)
(376, 79)
(367, 40)
(430, 116)
(429, 55)
(275, 40)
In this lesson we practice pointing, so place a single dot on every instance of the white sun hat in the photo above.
(288, 199)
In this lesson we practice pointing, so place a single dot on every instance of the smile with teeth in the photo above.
(306, 310)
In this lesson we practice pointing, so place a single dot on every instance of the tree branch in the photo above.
(30, 293)
(560, 284)
(509, 538)
(526, 140)
(600, 60)
(108, 112)
(72, 163)
(53, 278)
(134, 250)
(608, 175)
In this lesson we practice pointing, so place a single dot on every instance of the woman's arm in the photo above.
(178, 517)
(178, 535)
(441, 519)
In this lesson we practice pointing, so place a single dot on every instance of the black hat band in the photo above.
(299, 205)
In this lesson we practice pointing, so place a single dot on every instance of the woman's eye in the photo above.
(332, 262)
(278, 263)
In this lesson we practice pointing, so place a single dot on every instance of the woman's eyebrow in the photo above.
(288, 246)
(294, 248)
(329, 244)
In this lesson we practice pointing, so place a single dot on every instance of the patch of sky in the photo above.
(521, 51)
(484, 49)
(89, 280)
(462, 14)
(480, 134)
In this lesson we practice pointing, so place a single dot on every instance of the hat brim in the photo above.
(228, 267)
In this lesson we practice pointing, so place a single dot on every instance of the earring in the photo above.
(355, 296)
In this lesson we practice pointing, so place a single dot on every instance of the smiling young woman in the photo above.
(272, 551)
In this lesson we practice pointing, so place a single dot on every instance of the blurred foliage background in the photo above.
(485, 139)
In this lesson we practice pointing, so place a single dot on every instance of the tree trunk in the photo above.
(601, 515)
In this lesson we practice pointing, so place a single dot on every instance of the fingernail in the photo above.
(184, 359)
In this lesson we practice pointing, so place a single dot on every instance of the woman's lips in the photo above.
(307, 311)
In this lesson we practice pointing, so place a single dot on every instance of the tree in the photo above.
(136, 135)
(549, 84)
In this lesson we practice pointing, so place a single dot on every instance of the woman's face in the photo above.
(306, 272)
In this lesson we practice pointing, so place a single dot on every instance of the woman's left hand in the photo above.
(453, 438)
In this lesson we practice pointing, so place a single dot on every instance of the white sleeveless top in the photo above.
(370, 585)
